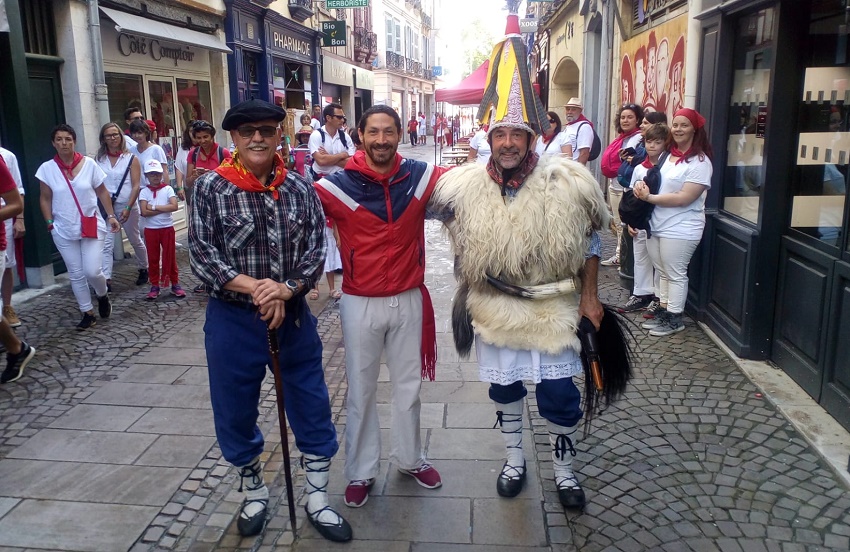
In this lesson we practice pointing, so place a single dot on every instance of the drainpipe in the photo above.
(101, 97)
(605, 76)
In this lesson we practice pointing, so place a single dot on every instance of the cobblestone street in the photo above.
(107, 444)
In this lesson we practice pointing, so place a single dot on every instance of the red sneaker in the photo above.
(425, 475)
(357, 492)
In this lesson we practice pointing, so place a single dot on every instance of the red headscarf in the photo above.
(698, 121)
(692, 115)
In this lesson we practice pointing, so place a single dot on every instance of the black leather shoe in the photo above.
(508, 485)
(571, 497)
(250, 526)
(104, 306)
(143, 278)
(337, 532)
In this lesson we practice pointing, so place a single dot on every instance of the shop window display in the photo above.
(124, 91)
(193, 98)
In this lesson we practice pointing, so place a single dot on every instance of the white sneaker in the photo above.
(613, 261)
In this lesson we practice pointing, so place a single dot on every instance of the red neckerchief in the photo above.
(676, 152)
(155, 189)
(242, 178)
(581, 118)
(116, 155)
(547, 140)
(69, 169)
(519, 174)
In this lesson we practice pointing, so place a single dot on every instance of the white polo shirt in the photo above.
(332, 145)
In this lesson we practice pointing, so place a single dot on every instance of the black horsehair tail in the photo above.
(616, 356)
(462, 322)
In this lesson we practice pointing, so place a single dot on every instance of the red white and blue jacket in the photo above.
(380, 219)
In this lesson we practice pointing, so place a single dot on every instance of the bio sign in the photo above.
(333, 33)
(347, 4)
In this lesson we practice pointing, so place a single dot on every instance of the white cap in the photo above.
(152, 165)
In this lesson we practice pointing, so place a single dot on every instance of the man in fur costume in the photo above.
(531, 222)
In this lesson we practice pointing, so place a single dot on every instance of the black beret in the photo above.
(251, 111)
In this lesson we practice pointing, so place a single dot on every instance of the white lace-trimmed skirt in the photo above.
(504, 366)
(332, 260)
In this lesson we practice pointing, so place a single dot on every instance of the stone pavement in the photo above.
(107, 444)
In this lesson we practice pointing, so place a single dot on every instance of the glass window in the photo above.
(289, 84)
(745, 164)
(162, 107)
(193, 97)
(124, 91)
(819, 183)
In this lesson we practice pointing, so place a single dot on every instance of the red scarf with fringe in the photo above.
(233, 170)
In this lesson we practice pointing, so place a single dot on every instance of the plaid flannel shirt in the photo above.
(234, 232)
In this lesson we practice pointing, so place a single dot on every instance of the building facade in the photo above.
(404, 76)
(773, 274)
(84, 63)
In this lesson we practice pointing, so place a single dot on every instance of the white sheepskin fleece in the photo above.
(541, 236)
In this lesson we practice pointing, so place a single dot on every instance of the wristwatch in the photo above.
(292, 285)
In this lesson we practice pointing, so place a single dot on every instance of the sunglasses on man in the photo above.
(248, 131)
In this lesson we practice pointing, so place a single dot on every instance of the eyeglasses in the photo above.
(111, 136)
(340, 117)
(266, 131)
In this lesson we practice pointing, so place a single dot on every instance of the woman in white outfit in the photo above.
(71, 184)
(123, 177)
(678, 219)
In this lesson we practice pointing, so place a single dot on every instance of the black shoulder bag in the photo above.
(117, 193)
(636, 212)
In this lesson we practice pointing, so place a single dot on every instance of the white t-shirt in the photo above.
(332, 145)
(630, 142)
(14, 168)
(579, 135)
(153, 152)
(421, 121)
(688, 222)
(553, 147)
(480, 144)
(182, 160)
(114, 173)
(66, 216)
(163, 195)
(130, 143)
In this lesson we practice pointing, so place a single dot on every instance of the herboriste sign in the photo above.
(129, 45)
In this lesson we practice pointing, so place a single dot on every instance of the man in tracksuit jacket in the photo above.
(378, 204)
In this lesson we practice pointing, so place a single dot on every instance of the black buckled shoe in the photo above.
(249, 526)
(571, 494)
(337, 532)
(511, 480)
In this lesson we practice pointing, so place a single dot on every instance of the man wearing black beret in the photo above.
(256, 239)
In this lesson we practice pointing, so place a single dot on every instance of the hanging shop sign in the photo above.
(290, 45)
(333, 33)
(347, 4)
(528, 25)
(129, 45)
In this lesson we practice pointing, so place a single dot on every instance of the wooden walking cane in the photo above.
(274, 351)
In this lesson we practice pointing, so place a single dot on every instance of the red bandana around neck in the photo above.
(519, 175)
(682, 157)
(116, 155)
(156, 188)
(233, 170)
(69, 169)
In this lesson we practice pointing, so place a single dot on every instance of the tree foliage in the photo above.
(477, 40)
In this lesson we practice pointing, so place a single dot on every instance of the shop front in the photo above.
(364, 86)
(338, 83)
(274, 58)
(773, 275)
(172, 80)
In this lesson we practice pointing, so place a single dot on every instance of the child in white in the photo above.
(157, 202)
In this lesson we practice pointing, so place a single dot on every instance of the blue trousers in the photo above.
(558, 400)
(237, 359)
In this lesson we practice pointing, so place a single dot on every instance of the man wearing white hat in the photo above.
(523, 220)
(579, 132)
